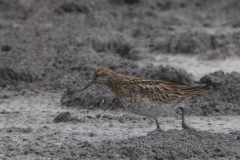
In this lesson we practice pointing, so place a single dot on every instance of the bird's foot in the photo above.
(156, 131)
(191, 129)
(159, 130)
(186, 127)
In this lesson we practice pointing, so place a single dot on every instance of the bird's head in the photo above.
(100, 77)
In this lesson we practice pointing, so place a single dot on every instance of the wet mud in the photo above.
(50, 49)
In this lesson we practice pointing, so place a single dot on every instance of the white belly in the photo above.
(149, 108)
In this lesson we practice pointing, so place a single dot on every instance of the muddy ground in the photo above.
(50, 49)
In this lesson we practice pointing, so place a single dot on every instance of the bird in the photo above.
(145, 97)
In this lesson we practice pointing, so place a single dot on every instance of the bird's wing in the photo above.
(159, 91)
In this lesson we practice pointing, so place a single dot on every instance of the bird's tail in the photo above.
(206, 88)
(188, 91)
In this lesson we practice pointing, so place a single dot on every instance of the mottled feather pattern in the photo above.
(154, 90)
(157, 90)
(145, 97)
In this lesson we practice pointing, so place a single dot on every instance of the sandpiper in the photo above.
(143, 96)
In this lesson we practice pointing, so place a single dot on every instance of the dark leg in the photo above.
(158, 126)
(184, 125)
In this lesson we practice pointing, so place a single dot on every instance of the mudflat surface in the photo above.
(50, 49)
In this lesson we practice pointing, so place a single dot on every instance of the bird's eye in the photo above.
(96, 75)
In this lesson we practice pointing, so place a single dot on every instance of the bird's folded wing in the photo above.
(159, 92)
(167, 92)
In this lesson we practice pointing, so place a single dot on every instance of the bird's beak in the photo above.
(89, 84)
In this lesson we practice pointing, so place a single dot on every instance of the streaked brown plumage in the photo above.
(145, 97)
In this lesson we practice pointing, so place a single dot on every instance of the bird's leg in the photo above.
(158, 126)
(184, 125)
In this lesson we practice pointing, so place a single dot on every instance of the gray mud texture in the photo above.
(49, 50)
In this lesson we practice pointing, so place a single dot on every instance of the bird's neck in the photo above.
(115, 82)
